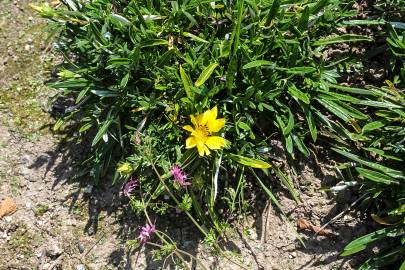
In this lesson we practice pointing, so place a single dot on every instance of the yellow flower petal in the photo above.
(189, 128)
(191, 142)
(215, 142)
(206, 150)
(194, 120)
(201, 148)
(214, 112)
(216, 125)
(204, 118)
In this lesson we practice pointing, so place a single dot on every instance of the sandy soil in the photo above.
(65, 224)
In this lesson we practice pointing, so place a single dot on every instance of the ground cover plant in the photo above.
(182, 98)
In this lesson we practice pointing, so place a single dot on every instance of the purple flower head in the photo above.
(130, 186)
(179, 176)
(146, 232)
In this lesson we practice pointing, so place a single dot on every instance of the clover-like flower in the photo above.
(202, 134)
(179, 176)
(146, 233)
(130, 186)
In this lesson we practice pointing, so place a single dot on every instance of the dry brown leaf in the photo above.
(55, 3)
(304, 224)
(7, 207)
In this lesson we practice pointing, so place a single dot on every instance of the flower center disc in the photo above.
(202, 131)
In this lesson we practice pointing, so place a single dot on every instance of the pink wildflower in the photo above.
(130, 186)
(146, 232)
(179, 176)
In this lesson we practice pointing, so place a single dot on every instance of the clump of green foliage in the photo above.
(378, 165)
(139, 69)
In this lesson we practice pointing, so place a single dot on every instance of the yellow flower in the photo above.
(205, 125)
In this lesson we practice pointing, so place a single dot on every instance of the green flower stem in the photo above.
(177, 201)
(182, 252)
(192, 219)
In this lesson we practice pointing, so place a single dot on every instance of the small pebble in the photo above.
(80, 247)
(80, 267)
(8, 219)
(88, 189)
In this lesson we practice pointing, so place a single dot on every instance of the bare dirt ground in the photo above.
(61, 223)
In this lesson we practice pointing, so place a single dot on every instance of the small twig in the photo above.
(55, 262)
(235, 262)
(340, 214)
(95, 244)
(265, 218)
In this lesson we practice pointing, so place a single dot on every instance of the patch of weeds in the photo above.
(14, 184)
(79, 209)
(23, 75)
(23, 241)
(41, 209)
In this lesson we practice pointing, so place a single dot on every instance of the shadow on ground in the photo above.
(103, 201)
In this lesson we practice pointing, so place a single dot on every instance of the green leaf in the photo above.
(298, 94)
(381, 153)
(335, 109)
(373, 125)
(120, 18)
(315, 8)
(393, 173)
(257, 63)
(118, 62)
(361, 243)
(243, 126)
(288, 182)
(82, 94)
(364, 22)
(153, 42)
(354, 90)
(303, 22)
(236, 27)
(71, 84)
(311, 123)
(341, 39)
(381, 260)
(289, 144)
(290, 124)
(376, 176)
(300, 145)
(101, 132)
(273, 11)
(300, 70)
(124, 80)
(58, 124)
(186, 83)
(250, 162)
(205, 74)
(194, 37)
(85, 127)
(380, 104)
